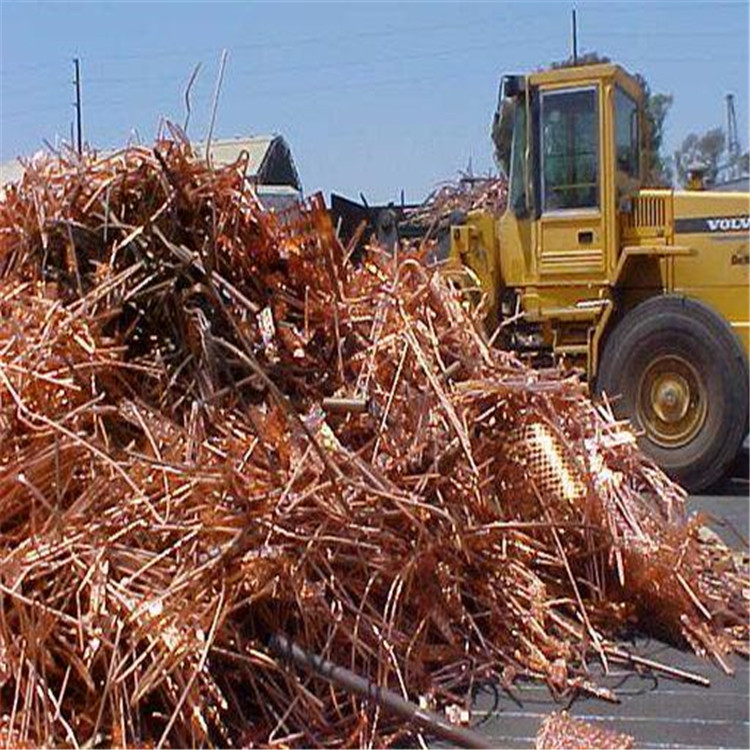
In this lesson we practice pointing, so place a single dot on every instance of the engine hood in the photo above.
(698, 212)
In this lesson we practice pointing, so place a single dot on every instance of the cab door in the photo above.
(571, 238)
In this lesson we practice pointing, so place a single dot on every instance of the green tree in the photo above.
(705, 149)
(656, 107)
(587, 58)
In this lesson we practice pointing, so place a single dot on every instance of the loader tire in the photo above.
(677, 371)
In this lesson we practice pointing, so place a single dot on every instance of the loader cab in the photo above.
(570, 141)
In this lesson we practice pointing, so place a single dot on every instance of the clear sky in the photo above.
(372, 97)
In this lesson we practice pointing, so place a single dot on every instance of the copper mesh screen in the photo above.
(546, 462)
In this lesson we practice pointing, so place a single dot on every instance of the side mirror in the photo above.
(512, 85)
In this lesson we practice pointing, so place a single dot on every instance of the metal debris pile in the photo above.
(452, 198)
(215, 432)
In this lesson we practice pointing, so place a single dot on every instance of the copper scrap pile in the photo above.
(214, 430)
(464, 195)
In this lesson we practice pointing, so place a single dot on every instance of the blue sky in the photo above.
(373, 97)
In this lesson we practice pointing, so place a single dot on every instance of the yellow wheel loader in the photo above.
(644, 289)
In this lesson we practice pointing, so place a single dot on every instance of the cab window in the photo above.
(626, 133)
(570, 149)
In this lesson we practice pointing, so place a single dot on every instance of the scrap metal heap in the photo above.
(466, 194)
(214, 431)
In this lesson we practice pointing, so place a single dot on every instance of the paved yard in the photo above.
(658, 712)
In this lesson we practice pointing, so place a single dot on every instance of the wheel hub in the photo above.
(672, 401)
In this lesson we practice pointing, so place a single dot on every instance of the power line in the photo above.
(274, 44)
(352, 36)
(257, 72)
(111, 104)
(28, 113)
(674, 33)
(43, 89)
(28, 68)
(270, 72)
(98, 103)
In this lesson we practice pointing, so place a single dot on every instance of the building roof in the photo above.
(11, 171)
(278, 197)
(269, 157)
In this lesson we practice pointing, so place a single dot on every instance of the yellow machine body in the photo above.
(575, 272)
(586, 258)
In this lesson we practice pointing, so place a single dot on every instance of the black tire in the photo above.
(676, 369)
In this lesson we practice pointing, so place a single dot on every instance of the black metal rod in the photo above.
(386, 699)
(77, 64)
(575, 38)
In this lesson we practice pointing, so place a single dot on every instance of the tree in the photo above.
(658, 172)
(587, 58)
(705, 149)
(657, 106)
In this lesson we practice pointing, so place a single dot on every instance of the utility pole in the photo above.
(77, 64)
(733, 140)
(574, 24)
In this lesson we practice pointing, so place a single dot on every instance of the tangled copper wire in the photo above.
(466, 194)
(174, 490)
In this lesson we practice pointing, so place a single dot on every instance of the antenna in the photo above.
(574, 30)
(77, 64)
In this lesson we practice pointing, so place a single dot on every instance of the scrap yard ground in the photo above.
(658, 713)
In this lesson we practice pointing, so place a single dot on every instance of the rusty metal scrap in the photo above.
(214, 430)
(438, 725)
(466, 194)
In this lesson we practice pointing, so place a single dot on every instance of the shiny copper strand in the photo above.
(466, 194)
(172, 492)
